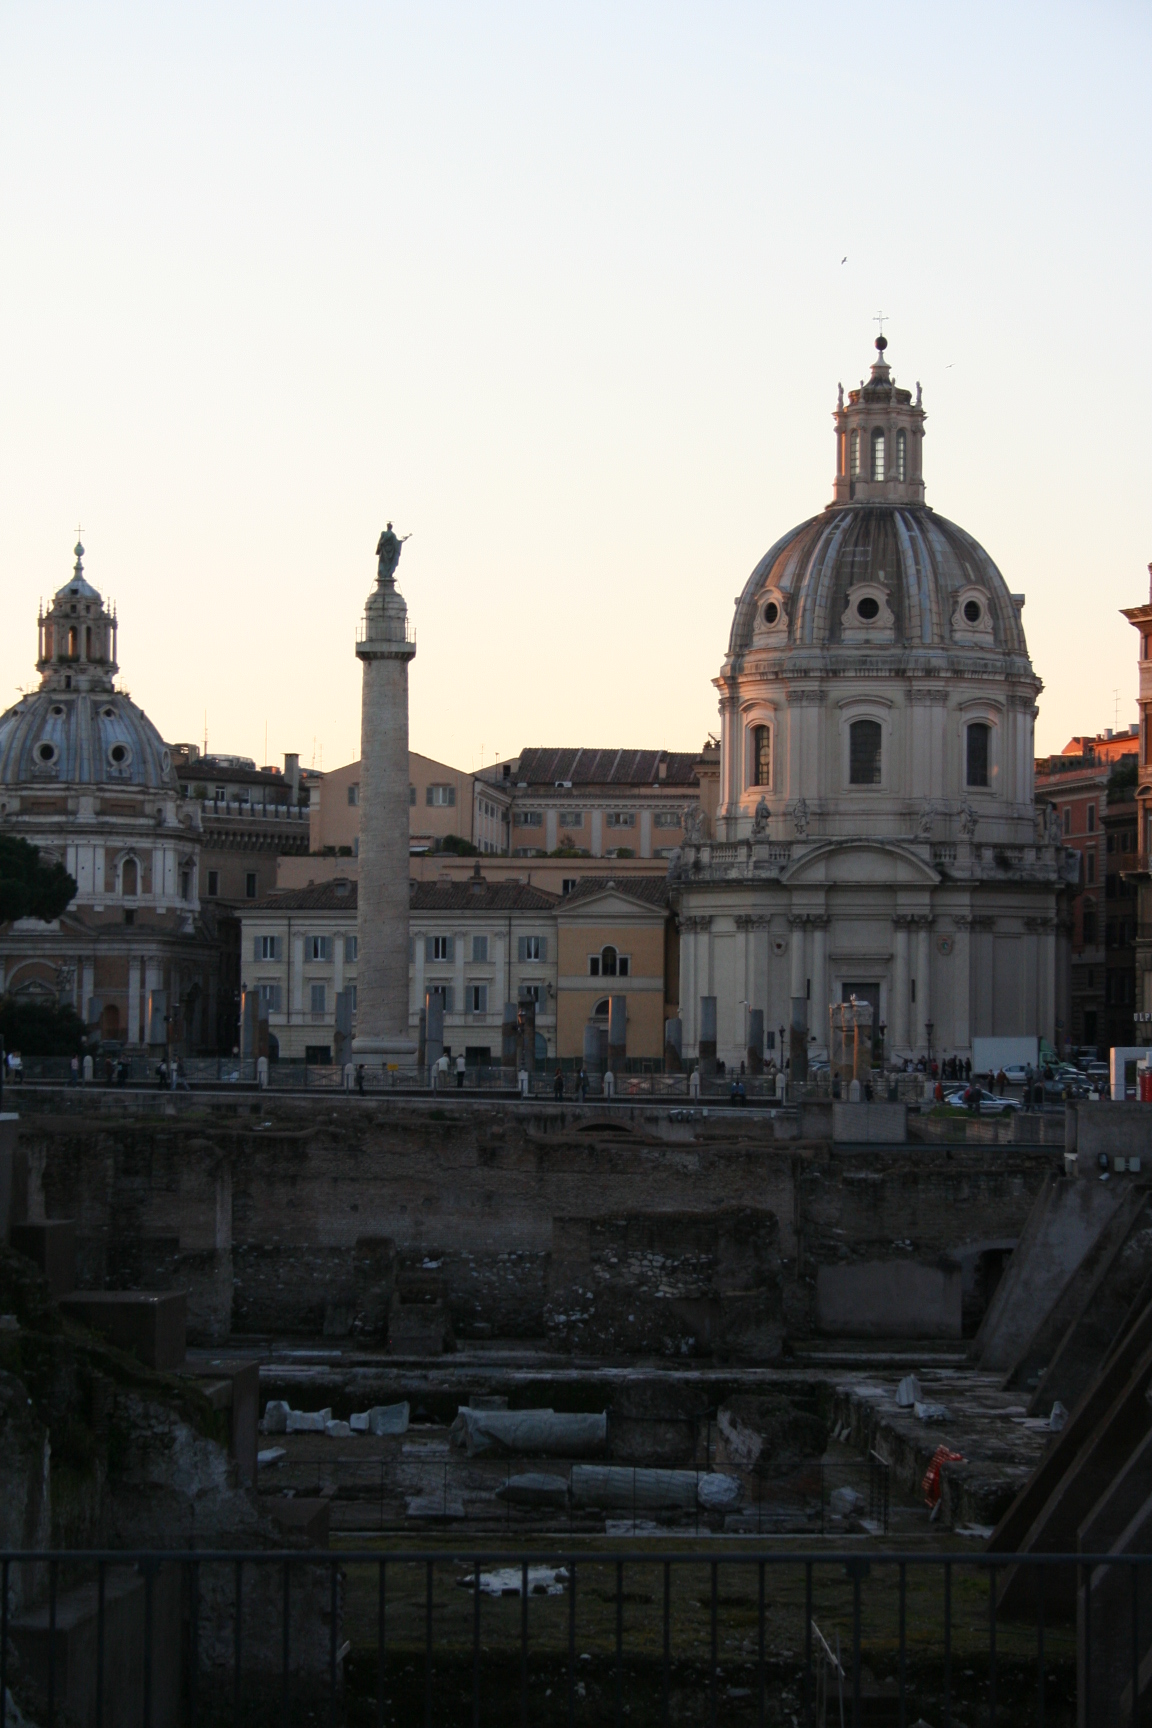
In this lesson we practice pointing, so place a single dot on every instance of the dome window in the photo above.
(854, 454)
(878, 454)
(762, 756)
(46, 752)
(771, 612)
(972, 611)
(901, 455)
(865, 738)
(108, 713)
(978, 742)
(868, 609)
(119, 755)
(57, 710)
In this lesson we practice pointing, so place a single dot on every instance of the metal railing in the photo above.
(576, 1635)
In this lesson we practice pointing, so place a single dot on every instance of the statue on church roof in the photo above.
(388, 553)
(760, 820)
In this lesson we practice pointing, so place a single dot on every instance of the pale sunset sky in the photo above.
(565, 292)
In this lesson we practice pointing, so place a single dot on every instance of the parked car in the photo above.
(989, 1103)
(1016, 1074)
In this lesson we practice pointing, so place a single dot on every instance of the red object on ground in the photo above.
(1146, 1088)
(931, 1484)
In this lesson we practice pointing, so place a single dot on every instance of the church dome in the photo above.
(59, 737)
(78, 729)
(866, 575)
(878, 568)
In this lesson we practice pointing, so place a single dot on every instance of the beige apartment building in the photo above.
(478, 942)
(604, 803)
(443, 803)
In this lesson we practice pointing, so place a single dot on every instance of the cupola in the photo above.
(879, 440)
(77, 637)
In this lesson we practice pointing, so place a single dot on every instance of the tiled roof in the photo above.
(544, 767)
(653, 889)
(474, 895)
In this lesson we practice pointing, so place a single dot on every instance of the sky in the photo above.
(565, 292)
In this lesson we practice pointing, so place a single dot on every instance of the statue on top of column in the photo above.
(388, 553)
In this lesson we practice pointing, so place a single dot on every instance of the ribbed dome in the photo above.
(59, 737)
(926, 584)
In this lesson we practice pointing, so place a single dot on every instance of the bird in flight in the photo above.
(844, 260)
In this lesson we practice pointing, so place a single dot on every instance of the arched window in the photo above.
(854, 453)
(130, 879)
(864, 741)
(600, 1012)
(761, 756)
(901, 455)
(878, 454)
(979, 737)
(73, 644)
(608, 962)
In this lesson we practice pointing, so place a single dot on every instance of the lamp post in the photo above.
(928, 1030)
(882, 1029)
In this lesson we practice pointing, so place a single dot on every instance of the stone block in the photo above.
(889, 1299)
(235, 1387)
(308, 1519)
(149, 1324)
(13, 1176)
(52, 1245)
(74, 1662)
(875, 1123)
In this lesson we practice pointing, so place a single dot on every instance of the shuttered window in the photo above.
(318, 948)
(351, 949)
(532, 948)
(439, 948)
(268, 948)
(480, 949)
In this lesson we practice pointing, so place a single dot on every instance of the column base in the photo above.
(384, 1045)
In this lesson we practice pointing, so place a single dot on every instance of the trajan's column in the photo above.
(384, 649)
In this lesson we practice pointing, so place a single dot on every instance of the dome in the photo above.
(61, 737)
(869, 574)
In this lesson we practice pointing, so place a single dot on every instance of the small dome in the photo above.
(83, 738)
(922, 581)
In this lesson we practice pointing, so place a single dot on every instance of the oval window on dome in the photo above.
(771, 612)
(57, 709)
(972, 611)
(868, 609)
(46, 752)
(108, 713)
(166, 761)
(119, 755)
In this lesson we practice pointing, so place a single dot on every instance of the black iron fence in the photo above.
(742, 1635)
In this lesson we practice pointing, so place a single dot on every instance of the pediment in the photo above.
(864, 863)
(607, 905)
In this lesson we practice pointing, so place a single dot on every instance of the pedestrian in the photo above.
(74, 1071)
(122, 1073)
(582, 1084)
(460, 1066)
(1001, 1081)
(161, 1076)
(558, 1085)
(360, 1078)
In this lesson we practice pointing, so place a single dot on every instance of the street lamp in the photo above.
(928, 1030)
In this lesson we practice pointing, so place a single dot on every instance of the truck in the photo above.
(991, 1054)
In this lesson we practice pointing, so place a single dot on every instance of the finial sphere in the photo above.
(881, 343)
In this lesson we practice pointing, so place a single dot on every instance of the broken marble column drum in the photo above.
(384, 648)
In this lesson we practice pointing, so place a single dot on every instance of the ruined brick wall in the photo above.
(298, 1216)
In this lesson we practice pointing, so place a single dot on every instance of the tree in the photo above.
(30, 888)
(40, 1028)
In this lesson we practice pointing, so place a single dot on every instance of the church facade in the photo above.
(88, 780)
(876, 832)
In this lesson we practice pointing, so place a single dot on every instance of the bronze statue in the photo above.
(388, 553)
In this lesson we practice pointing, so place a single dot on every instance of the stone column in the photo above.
(688, 980)
(707, 1042)
(133, 1000)
(797, 956)
(818, 1007)
(384, 649)
(962, 985)
(900, 984)
(923, 975)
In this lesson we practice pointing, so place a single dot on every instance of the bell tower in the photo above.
(879, 440)
(77, 637)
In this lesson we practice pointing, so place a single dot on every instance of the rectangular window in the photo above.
(270, 996)
(480, 949)
(350, 992)
(530, 819)
(978, 738)
(864, 742)
(1091, 818)
(439, 948)
(476, 998)
(447, 994)
(1092, 866)
(567, 883)
(623, 965)
(351, 950)
(268, 948)
(533, 948)
(354, 793)
(250, 885)
(620, 819)
(761, 756)
(533, 993)
(213, 882)
(667, 819)
(318, 948)
(441, 796)
(571, 818)
(220, 794)
(319, 998)
(319, 1054)
(593, 965)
